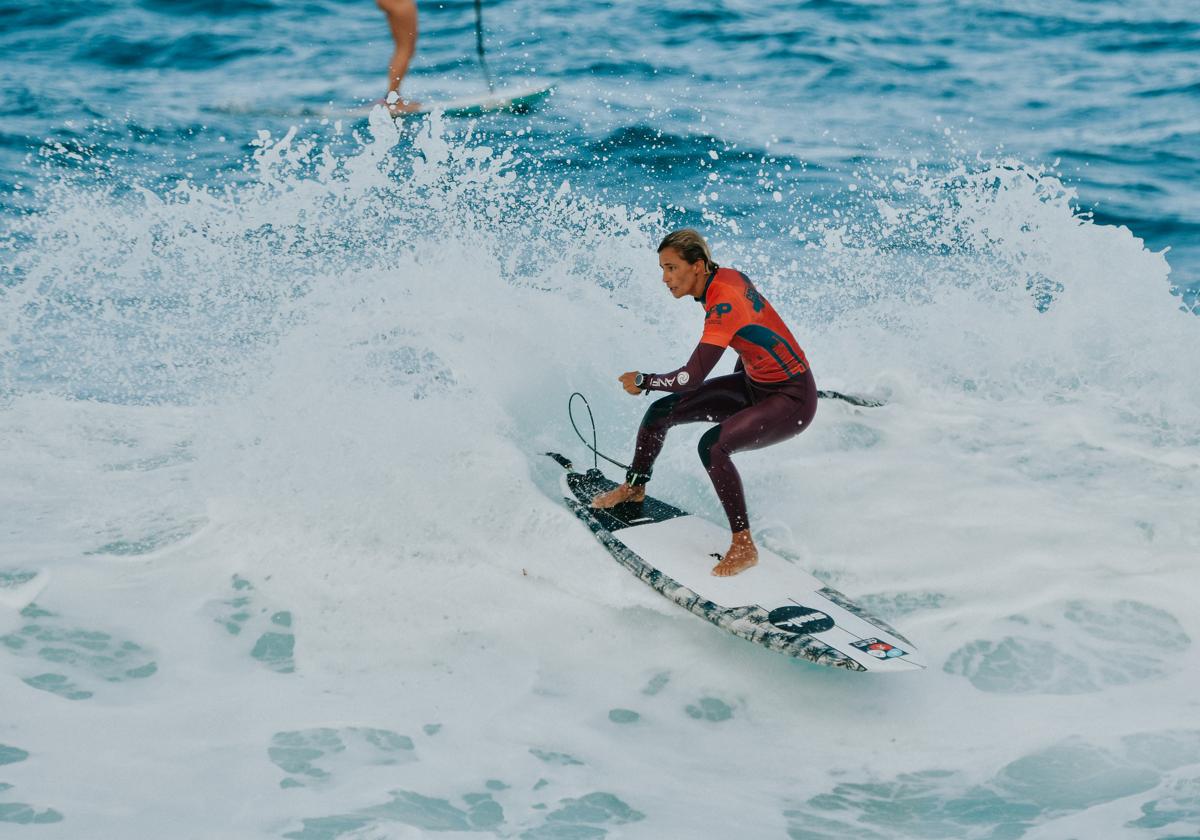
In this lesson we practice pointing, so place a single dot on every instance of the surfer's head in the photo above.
(686, 262)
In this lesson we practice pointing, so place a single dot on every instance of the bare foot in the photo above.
(396, 107)
(741, 556)
(618, 495)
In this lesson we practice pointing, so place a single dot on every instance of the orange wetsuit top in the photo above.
(737, 316)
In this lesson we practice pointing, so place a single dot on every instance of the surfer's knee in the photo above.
(660, 410)
(708, 442)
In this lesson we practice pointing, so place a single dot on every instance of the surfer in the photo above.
(402, 19)
(770, 397)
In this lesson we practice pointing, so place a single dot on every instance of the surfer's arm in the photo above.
(704, 359)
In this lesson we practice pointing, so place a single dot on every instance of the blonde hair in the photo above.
(690, 245)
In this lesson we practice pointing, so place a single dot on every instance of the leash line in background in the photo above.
(479, 45)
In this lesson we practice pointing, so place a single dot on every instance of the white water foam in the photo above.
(282, 556)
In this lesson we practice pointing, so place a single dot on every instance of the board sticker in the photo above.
(803, 621)
(878, 649)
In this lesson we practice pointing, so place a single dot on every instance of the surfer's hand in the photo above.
(628, 384)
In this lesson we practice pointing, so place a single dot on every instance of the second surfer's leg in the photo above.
(402, 20)
(715, 400)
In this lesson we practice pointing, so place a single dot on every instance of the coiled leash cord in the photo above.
(592, 446)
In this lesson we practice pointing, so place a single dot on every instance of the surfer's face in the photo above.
(681, 277)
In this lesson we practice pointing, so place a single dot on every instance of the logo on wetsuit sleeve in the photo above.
(754, 297)
(878, 649)
(718, 310)
(803, 621)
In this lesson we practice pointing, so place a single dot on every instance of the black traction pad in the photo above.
(586, 486)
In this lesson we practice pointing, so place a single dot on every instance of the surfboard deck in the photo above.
(519, 100)
(775, 604)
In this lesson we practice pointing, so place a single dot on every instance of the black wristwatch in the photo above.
(638, 380)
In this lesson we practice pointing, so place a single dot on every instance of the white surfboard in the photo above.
(519, 100)
(515, 100)
(775, 604)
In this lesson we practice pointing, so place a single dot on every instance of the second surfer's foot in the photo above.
(619, 495)
(741, 556)
(399, 106)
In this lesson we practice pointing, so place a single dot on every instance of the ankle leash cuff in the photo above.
(636, 479)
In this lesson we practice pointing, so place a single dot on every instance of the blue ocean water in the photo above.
(278, 558)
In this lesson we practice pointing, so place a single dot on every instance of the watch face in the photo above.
(638, 380)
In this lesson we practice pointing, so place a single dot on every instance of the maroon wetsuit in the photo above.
(773, 396)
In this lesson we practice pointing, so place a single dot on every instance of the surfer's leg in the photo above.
(402, 20)
(715, 400)
(773, 420)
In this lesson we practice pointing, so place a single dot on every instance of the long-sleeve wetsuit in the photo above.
(770, 398)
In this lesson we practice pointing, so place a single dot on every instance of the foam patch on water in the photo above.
(1045, 789)
(1071, 648)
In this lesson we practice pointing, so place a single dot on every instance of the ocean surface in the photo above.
(279, 553)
